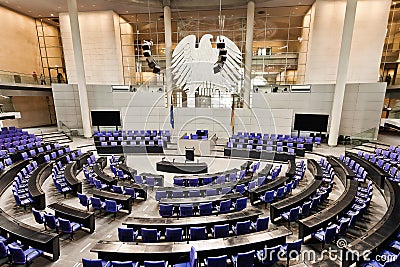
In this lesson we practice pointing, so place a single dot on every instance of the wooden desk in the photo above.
(181, 167)
(74, 215)
(103, 177)
(341, 168)
(258, 191)
(35, 183)
(173, 252)
(70, 176)
(124, 200)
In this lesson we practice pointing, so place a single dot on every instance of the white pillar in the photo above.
(168, 50)
(343, 66)
(249, 53)
(80, 70)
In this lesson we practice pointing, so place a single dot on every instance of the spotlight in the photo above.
(217, 68)
(146, 46)
(220, 45)
(151, 63)
(147, 53)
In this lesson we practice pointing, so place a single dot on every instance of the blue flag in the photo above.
(171, 115)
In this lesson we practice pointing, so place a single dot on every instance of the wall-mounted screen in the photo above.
(106, 118)
(311, 122)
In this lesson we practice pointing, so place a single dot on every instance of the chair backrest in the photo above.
(205, 208)
(83, 199)
(240, 188)
(243, 228)
(241, 203)
(160, 195)
(269, 196)
(118, 189)
(111, 205)
(3, 250)
(17, 254)
(198, 233)
(149, 235)
(217, 261)
(173, 234)
(92, 263)
(50, 221)
(186, 210)
(211, 192)
(38, 217)
(65, 225)
(126, 234)
(96, 202)
(122, 264)
(221, 230)
(305, 209)
(344, 225)
(194, 193)
(245, 259)
(330, 233)
(194, 182)
(293, 249)
(262, 224)
(166, 210)
(294, 214)
(155, 264)
(225, 206)
(177, 194)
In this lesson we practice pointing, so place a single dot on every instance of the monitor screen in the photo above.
(311, 122)
(106, 118)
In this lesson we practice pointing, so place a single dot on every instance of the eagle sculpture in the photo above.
(192, 66)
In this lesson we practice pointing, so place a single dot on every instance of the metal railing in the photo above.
(8, 77)
(66, 130)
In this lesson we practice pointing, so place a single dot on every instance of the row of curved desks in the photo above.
(321, 219)
(74, 215)
(174, 252)
(256, 154)
(379, 236)
(124, 200)
(187, 222)
(377, 175)
(15, 230)
(343, 169)
(196, 201)
(209, 175)
(102, 176)
(127, 170)
(315, 169)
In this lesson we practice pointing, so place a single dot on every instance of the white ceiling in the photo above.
(45, 8)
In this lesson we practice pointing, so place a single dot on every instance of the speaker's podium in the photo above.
(189, 152)
(202, 145)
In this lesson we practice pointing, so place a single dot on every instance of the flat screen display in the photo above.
(311, 122)
(106, 118)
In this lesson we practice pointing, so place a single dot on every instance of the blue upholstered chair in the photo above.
(241, 228)
(268, 197)
(216, 261)
(220, 231)
(240, 204)
(292, 250)
(97, 204)
(261, 224)
(68, 227)
(51, 221)
(94, 263)
(244, 259)
(193, 260)
(326, 236)
(23, 257)
(224, 206)
(124, 264)
(111, 206)
(150, 235)
(198, 233)
(166, 210)
(127, 234)
(173, 234)
(186, 210)
(84, 200)
(205, 208)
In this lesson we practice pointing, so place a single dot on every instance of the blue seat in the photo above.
(4, 252)
(244, 259)
(280, 192)
(150, 235)
(127, 234)
(198, 233)
(118, 189)
(194, 193)
(216, 261)
(193, 182)
(38, 217)
(166, 210)
(261, 224)
(173, 234)
(160, 195)
(177, 194)
(131, 192)
(99, 185)
(155, 263)
(268, 197)
(211, 192)
(326, 236)
(269, 256)
(241, 228)
(193, 260)
(241, 188)
(240, 204)
(220, 231)
(186, 210)
(292, 250)
(51, 221)
(205, 208)
(179, 181)
(23, 257)
(305, 209)
(97, 204)
(291, 215)
(224, 206)
(68, 227)
(84, 200)
(124, 264)
(207, 180)
(111, 206)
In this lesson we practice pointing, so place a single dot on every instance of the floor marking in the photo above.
(146, 208)
(77, 264)
(85, 247)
